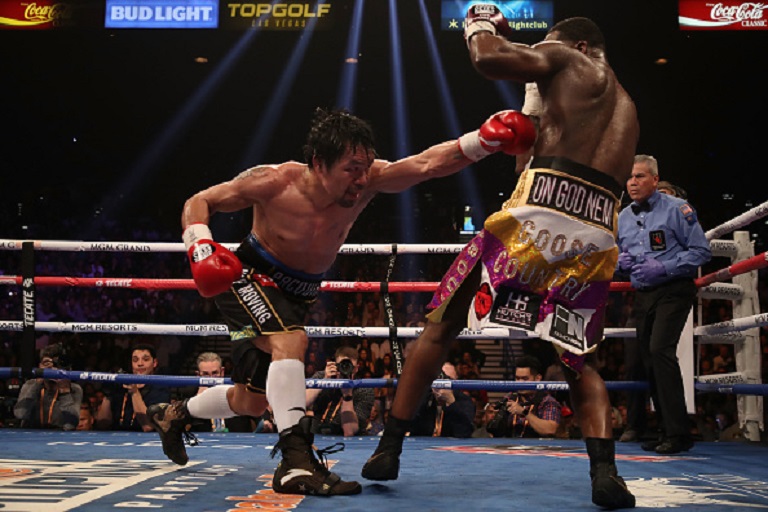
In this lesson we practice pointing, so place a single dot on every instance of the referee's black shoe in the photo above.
(673, 445)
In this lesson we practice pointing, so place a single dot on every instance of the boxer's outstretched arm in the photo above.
(438, 161)
(507, 131)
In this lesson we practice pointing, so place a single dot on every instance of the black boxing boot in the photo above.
(172, 422)
(384, 464)
(299, 472)
(608, 488)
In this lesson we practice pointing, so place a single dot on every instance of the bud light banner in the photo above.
(162, 14)
(522, 15)
(723, 15)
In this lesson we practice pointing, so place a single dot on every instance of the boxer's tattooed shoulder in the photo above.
(245, 174)
(253, 171)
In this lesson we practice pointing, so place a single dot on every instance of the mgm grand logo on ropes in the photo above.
(276, 16)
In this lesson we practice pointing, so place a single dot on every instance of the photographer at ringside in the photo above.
(340, 411)
(526, 413)
(445, 412)
(50, 403)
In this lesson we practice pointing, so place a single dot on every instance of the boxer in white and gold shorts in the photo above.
(548, 257)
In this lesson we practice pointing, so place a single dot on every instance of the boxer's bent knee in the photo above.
(251, 367)
(257, 382)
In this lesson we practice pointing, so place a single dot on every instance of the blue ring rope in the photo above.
(468, 385)
(174, 380)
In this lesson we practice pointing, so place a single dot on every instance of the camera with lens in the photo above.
(498, 425)
(501, 405)
(346, 368)
(57, 354)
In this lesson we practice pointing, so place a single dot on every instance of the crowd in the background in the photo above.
(716, 416)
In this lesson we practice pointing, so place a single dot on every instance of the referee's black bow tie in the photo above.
(642, 207)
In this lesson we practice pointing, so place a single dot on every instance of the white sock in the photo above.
(211, 403)
(287, 392)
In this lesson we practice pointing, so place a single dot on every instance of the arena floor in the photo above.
(98, 471)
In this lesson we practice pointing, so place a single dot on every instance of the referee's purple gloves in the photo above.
(649, 271)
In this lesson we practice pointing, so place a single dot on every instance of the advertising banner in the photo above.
(162, 14)
(49, 14)
(722, 15)
(278, 15)
(522, 15)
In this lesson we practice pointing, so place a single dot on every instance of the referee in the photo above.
(661, 247)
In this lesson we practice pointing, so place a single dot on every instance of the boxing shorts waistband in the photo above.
(559, 163)
(294, 282)
(571, 189)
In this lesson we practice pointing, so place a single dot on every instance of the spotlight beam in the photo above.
(346, 95)
(176, 127)
(467, 176)
(262, 136)
(401, 128)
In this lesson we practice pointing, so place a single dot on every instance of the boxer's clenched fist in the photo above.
(214, 267)
(508, 131)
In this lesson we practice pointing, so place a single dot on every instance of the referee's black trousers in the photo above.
(660, 315)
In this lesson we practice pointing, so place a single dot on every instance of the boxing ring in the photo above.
(49, 470)
(55, 471)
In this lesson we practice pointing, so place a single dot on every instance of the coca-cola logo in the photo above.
(734, 13)
(44, 13)
(723, 15)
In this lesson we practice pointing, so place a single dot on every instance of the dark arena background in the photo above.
(114, 112)
(129, 122)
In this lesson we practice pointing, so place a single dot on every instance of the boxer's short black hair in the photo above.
(334, 131)
(580, 29)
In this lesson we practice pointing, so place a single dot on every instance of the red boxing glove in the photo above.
(214, 267)
(508, 131)
(485, 18)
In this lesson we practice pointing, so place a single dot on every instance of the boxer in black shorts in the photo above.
(270, 298)
(302, 213)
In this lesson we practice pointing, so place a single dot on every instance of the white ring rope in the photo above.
(726, 248)
(737, 222)
(758, 212)
(742, 220)
(145, 247)
(720, 328)
(737, 324)
(731, 338)
(724, 291)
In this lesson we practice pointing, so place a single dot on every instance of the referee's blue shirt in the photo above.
(668, 230)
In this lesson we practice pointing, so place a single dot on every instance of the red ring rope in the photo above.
(742, 267)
